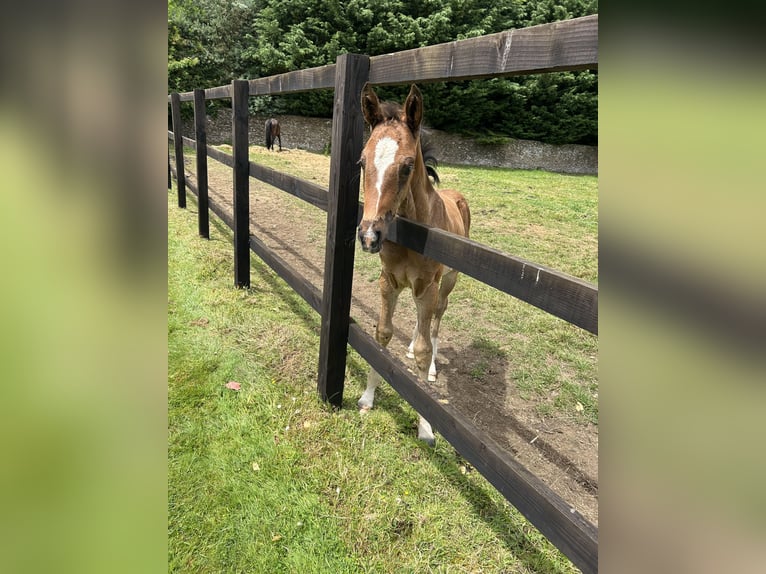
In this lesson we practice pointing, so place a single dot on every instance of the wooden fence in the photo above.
(560, 46)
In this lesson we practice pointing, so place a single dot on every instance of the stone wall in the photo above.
(314, 134)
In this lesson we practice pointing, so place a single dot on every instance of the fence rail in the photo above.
(568, 45)
(560, 46)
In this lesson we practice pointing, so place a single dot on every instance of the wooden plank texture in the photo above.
(218, 155)
(309, 192)
(559, 294)
(297, 81)
(566, 45)
(347, 137)
(241, 203)
(218, 92)
(200, 132)
(566, 528)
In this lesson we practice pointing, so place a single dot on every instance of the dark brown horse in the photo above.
(272, 132)
(396, 182)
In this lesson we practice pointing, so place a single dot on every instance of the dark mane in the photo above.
(390, 111)
(393, 111)
(429, 154)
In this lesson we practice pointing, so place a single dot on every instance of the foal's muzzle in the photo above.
(371, 236)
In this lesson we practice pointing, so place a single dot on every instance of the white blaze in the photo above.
(385, 152)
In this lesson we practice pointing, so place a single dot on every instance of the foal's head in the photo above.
(389, 161)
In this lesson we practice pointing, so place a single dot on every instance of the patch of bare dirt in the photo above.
(561, 452)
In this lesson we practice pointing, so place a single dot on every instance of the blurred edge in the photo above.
(682, 293)
(83, 299)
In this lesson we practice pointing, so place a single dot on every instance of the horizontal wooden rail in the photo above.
(737, 320)
(322, 77)
(210, 93)
(566, 528)
(559, 294)
(218, 155)
(309, 192)
(569, 45)
(218, 93)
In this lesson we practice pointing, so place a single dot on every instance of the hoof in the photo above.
(431, 378)
(410, 355)
(363, 406)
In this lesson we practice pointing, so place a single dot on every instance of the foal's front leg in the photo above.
(389, 294)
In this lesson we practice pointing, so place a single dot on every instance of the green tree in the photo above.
(212, 41)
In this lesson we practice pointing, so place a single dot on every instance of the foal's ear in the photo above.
(371, 106)
(413, 108)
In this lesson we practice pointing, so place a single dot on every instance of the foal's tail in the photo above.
(431, 164)
(269, 137)
(465, 213)
(429, 155)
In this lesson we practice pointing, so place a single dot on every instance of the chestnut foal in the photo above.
(396, 182)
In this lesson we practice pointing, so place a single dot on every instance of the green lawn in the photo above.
(269, 479)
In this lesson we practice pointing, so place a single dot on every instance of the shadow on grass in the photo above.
(496, 514)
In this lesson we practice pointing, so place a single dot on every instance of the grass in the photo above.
(547, 218)
(269, 479)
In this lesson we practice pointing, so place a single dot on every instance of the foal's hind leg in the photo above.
(389, 294)
(446, 287)
(426, 302)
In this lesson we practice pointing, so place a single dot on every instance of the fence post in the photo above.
(240, 90)
(178, 142)
(200, 134)
(351, 72)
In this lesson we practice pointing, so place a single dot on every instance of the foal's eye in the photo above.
(407, 168)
